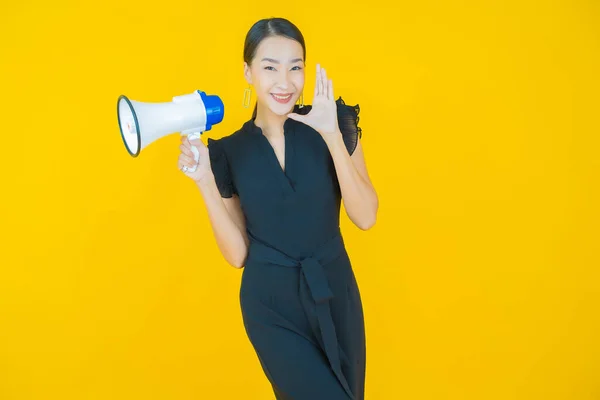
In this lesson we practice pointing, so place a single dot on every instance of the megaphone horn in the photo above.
(190, 114)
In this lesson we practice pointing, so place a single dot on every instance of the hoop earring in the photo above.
(301, 100)
(247, 96)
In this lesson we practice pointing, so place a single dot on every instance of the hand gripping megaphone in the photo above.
(190, 114)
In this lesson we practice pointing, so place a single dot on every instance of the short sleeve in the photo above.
(348, 122)
(220, 168)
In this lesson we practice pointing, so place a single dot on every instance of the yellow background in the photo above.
(481, 132)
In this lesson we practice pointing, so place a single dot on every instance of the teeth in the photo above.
(281, 97)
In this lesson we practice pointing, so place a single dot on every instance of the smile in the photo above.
(282, 98)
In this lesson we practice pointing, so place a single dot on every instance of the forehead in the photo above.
(279, 48)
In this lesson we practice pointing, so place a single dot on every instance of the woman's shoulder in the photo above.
(348, 118)
(348, 122)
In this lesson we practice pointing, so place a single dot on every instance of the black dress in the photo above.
(300, 301)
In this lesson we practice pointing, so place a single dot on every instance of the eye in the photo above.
(298, 68)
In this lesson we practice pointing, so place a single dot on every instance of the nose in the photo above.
(282, 80)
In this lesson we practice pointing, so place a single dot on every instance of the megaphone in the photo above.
(190, 114)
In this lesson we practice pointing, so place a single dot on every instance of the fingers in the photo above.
(196, 142)
(184, 160)
(324, 83)
(319, 84)
(187, 157)
(186, 150)
(187, 160)
(186, 146)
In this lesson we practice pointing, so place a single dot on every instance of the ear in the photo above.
(247, 73)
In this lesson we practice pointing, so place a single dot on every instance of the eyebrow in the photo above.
(277, 62)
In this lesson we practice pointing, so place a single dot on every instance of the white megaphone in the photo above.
(190, 114)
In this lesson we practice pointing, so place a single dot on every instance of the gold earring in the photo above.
(247, 95)
(301, 100)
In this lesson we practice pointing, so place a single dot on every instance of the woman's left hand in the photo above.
(323, 114)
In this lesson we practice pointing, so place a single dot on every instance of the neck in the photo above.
(270, 123)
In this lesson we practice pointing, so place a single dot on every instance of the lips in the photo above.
(281, 98)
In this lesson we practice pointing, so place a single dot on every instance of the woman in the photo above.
(273, 190)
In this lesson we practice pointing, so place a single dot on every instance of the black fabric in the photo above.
(348, 118)
(220, 168)
(299, 297)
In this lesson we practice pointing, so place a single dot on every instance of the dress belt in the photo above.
(315, 293)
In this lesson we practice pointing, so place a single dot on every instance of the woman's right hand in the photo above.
(186, 158)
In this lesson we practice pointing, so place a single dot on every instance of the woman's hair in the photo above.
(266, 28)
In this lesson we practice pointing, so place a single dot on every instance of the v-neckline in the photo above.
(285, 151)
(283, 173)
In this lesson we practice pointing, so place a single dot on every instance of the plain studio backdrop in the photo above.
(480, 126)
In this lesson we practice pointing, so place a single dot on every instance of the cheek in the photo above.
(299, 82)
(258, 79)
(266, 83)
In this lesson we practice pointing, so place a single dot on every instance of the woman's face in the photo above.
(277, 73)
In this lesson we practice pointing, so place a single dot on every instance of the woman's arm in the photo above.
(358, 194)
(227, 222)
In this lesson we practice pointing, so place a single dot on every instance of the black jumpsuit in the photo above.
(300, 301)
